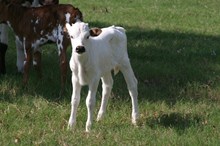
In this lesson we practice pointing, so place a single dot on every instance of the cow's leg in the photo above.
(62, 45)
(107, 83)
(27, 62)
(20, 55)
(37, 62)
(3, 46)
(131, 81)
(76, 88)
(63, 67)
(90, 102)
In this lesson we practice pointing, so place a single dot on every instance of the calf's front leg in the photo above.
(62, 47)
(20, 55)
(75, 99)
(63, 67)
(27, 63)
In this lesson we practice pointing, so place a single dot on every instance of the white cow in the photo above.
(94, 58)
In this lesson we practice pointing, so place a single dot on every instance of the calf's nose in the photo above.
(80, 49)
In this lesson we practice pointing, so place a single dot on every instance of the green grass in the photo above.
(174, 50)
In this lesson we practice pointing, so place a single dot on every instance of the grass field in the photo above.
(174, 49)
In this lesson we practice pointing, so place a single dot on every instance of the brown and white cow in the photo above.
(36, 26)
(4, 34)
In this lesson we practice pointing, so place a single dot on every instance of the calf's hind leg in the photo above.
(107, 83)
(90, 102)
(131, 81)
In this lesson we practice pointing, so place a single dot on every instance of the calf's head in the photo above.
(79, 34)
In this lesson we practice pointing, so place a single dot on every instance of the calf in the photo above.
(4, 34)
(94, 58)
(36, 26)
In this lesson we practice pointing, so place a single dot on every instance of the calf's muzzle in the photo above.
(80, 49)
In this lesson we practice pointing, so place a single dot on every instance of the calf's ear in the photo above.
(95, 31)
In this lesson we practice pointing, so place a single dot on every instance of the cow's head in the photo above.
(79, 34)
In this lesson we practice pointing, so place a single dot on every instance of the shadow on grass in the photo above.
(177, 121)
(172, 66)
(166, 64)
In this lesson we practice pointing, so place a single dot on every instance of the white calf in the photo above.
(94, 58)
